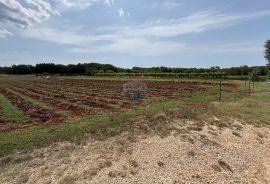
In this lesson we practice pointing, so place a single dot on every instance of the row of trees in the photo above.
(267, 51)
(242, 70)
(51, 68)
(95, 68)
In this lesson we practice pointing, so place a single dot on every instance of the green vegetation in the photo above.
(93, 69)
(28, 99)
(38, 103)
(255, 108)
(247, 77)
(134, 163)
(161, 164)
(75, 130)
(254, 76)
(191, 76)
(205, 75)
(267, 51)
(191, 154)
(150, 79)
(224, 165)
(9, 113)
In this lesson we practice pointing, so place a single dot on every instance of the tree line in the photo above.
(51, 68)
(92, 69)
(103, 69)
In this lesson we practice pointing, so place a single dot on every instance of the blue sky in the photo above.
(127, 33)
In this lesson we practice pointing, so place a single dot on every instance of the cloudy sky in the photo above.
(126, 33)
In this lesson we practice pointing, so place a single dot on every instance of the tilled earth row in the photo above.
(68, 99)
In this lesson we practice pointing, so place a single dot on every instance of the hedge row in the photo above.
(165, 75)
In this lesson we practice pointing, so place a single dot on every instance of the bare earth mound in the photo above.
(210, 155)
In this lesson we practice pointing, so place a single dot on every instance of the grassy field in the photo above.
(9, 113)
(75, 130)
(254, 108)
(157, 79)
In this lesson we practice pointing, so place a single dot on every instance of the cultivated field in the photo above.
(87, 130)
(57, 100)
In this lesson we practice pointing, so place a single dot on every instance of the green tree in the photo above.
(254, 76)
(267, 51)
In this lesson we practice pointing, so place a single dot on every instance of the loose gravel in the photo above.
(220, 157)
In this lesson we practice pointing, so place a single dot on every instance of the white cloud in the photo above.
(109, 2)
(148, 38)
(4, 33)
(63, 37)
(135, 46)
(82, 4)
(171, 5)
(121, 12)
(196, 23)
(26, 13)
(90, 43)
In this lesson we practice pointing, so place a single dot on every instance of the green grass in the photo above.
(246, 77)
(75, 130)
(28, 99)
(9, 113)
(254, 108)
(63, 113)
(38, 103)
(149, 79)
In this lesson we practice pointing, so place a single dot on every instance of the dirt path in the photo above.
(267, 167)
(208, 156)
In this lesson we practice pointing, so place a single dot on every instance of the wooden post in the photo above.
(249, 88)
(220, 90)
